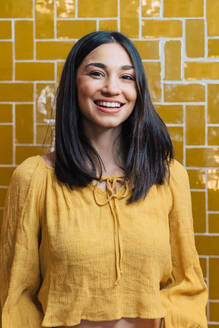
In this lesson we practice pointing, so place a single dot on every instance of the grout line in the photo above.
(13, 49)
(207, 234)
(55, 18)
(200, 146)
(183, 49)
(76, 8)
(206, 115)
(118, 9)
(34, 31)
(205, 32)
(161, 10)
(17, 19)
(206, 199)
(13, 135)
(139, 20)
(98, 24)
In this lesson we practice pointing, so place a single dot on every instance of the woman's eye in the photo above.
(128, 77)
(95, 74)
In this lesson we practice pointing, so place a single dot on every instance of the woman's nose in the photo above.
(111, 86)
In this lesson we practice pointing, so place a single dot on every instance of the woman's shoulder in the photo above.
(177, 169)
(178, 176)
(33, 167)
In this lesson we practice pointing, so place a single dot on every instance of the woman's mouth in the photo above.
(109, 106)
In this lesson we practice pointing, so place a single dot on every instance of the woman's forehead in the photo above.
(109, 54)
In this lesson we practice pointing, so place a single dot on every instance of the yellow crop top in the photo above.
(67, 255)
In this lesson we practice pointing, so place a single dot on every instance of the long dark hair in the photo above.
(145, 139)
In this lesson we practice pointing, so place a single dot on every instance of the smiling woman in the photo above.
(105, 87)
(99, 233)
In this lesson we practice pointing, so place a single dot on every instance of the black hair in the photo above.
(145, 139)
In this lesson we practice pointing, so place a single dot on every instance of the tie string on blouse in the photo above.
(113, 193)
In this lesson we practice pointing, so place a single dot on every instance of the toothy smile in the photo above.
(108, 104)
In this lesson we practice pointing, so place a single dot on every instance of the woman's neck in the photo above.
(108, 146)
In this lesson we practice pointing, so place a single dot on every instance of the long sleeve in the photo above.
(185, 295)
(19, 244)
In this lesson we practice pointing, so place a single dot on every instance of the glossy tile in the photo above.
(170, 113)
(176, 134)
(207, 245)
(129, 18)
(172, 52)
(108, 25)
(34, 71)
(5, 29)
(23, 152)
(213, 311)
(197, 178)
(74, 29)
(195, 34)
(199, 211)
(213, 135)
(213, 103)
(6, 61)
(153, 71)
(45, 103)
(201, 70)
(5, 175)
(195, 125)
(53, 49)
(5, 113)
(213, 275)
(161, 28)
(44, 19)
(150, 8)
(45, 134)
(6, 133)
(23, 123)
(148, 49)
(16, 92)
(23, 40)
(202, 157)
(97, 9)
(185, 8)
(60, 66)
(2, 196)
(213, 48)
(212, 9)
(213, 189)
(16, 9)
(203, 263)
(65, 8)
(184, 92)
(213, 222)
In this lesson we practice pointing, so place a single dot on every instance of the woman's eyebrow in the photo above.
(100, 65)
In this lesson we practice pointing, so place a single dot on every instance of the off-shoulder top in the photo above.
(84, 253)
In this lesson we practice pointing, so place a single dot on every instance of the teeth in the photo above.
(108, 104)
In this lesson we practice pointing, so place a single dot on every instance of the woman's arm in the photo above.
(185, 295)
(19, 257)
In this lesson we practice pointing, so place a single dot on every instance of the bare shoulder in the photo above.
(49, 158)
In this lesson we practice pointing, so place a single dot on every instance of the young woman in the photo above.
(99, 233)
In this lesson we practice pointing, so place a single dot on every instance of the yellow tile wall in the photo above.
(179, 45)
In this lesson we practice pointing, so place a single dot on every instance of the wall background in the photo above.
(179, 44)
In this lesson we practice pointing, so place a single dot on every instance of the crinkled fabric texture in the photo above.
(67, 255)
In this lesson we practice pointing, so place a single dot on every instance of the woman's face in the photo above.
(106, 87)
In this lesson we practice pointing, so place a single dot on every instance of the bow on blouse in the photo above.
(113, 193)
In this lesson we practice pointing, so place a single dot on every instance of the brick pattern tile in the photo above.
(179, 45)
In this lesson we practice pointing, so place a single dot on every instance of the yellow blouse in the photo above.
(67, 255)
